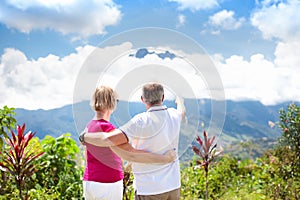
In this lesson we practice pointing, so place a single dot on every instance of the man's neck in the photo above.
(148, 106)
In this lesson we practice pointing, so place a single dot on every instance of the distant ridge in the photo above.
(244, 120)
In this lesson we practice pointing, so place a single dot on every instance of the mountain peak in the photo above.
(141, 53)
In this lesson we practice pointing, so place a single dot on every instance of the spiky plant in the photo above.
(18, 159)
(207, 153)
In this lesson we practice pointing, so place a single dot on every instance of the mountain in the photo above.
(141, 53)
(47, 122)
(244, 120)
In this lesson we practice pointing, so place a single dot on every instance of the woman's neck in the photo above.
(103, 115)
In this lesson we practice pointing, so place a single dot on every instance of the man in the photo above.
(156, 130)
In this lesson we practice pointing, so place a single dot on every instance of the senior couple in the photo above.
(149, 140)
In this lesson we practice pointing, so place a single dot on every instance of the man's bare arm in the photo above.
(105, 139)
(127, 152)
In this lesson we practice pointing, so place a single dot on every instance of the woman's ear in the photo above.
(142, 99)
(163, 97)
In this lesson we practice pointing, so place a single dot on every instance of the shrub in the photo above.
(207, 153)
(62, 170)
(18, 159)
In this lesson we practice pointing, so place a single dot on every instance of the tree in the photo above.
(7, 121)
(290, 139)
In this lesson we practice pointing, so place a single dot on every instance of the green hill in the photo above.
(244, 120)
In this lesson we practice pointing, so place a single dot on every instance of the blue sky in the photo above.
(253, 44)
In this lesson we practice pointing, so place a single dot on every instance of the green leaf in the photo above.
(1, 143)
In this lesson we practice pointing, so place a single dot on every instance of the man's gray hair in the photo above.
(153, 93)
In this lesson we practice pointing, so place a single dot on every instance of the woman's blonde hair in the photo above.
(104, 98)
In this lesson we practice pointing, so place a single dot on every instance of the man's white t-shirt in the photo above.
(157, 131)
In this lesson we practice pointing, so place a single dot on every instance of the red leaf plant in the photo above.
(207, 153)
(18, 159)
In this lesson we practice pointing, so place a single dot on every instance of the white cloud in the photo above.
(225, 20)
(49, 82)
(195, 5)
(23, 5)
(248, 80)
(43, 83)
(77, 17)
(260, 79)
(278, 19)
(176, 71)
(268, 81)
(287, 55)
(181, 21)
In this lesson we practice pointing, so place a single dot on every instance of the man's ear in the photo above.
(163, 97)
(142, 99)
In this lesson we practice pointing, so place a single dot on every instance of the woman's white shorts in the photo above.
(103, 191)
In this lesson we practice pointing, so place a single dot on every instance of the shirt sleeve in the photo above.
(175, 113)
(106, 126)
(131, 129)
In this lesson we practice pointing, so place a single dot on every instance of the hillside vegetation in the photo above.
(244, 173)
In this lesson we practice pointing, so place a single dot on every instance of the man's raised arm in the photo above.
(104, 139)
(180, 106)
